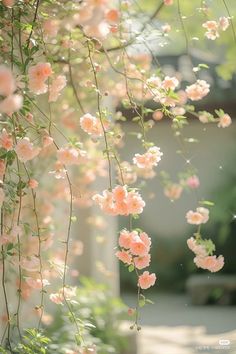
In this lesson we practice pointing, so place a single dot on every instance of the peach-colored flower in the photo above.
(7, 82)
(166, 28)
(146, 239)
(210, 25)
(38, 74)
(223, 23)
(92, 125)
(142, 262)
(148, 159)
(131, 311)
(211, 263)
(200, 216)
(204, 212)
(47, 141)
(56, 298)
(197, 248)
(138, 247)
(56, 87)
(157, 115)
(11, 104)
(112, 15)
(40, 71)
(6, 140)
(168, 2)
(212, 35)
(146, 280)
(135, 203)
(124, 257)
(8, 3)
(51, 27)
(126, 238)
(36, 283)
(173, 191)
(25, 150)
(198, 90)
(170, 83)
(70, 156)
(225, 121)
(33, 183)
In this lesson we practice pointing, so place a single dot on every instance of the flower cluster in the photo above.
(149, 159)
(203, 259)
(213, 27)
(134, 250)
(120, 201)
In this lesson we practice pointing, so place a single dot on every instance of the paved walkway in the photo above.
(174, 326)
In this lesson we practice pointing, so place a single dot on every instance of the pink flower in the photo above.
(168, 2)
(36, 283)
(56, 298)
(47, 141)
(126, 238)
(9, 3)
(91, 125)
(212, 35)
(204, 117)
(40, 71)
(124, 257)
(211, 263)
(146, 239)
(193, 182)
(51, 27)
(11, 104)
(38, 74)
(170, 83)
(142, 262)
(6, 140)
(7, 82)
(210, 25)
(198, 90)
(157, 115)
(112, 15)
(204, 212)
(223, 23)
(119, 194)
(148, 159)
(135, 203)
(225, 121)
(25, 150)
(138, 247)
(70, 156)
(146, 280)
(200, 216)
(33, 183)
(56, 87)
(198, 249)
(173, 191)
